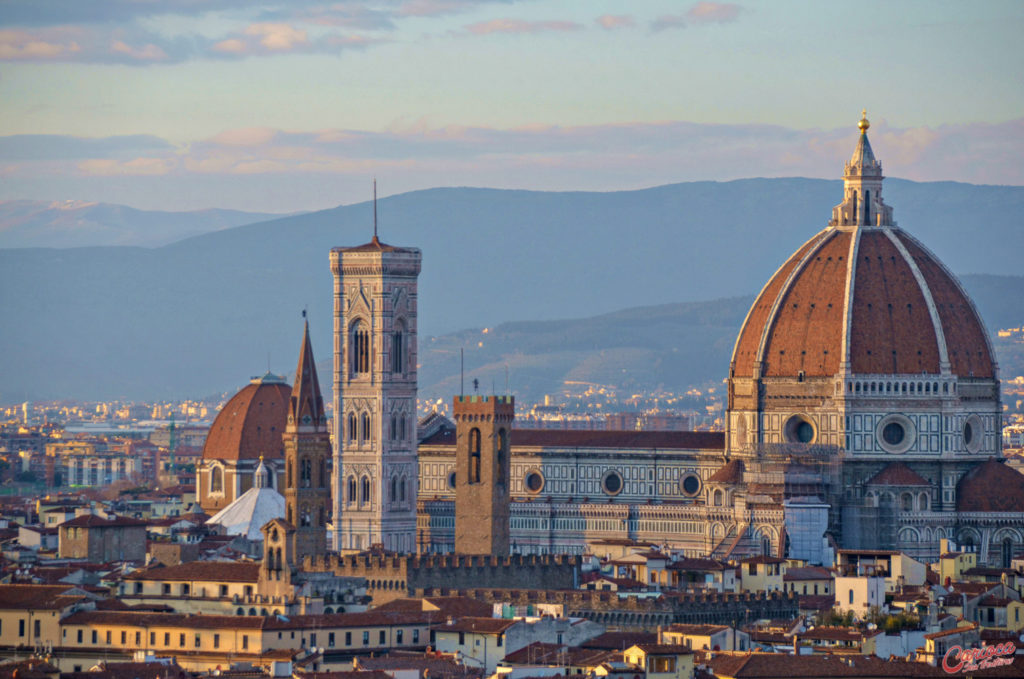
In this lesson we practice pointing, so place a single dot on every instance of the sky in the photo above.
(299, 104)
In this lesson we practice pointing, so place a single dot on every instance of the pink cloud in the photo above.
(148, 52)
(613, 21)
(713, 12)
(276, 36)
(25, 46)
(520, 26)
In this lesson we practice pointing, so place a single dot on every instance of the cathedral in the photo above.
(863, 413)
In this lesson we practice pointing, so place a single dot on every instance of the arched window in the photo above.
(351, 489)
(922, 503)
(394, 489)
(216, 480)
(867, 207)
(907, 500)
(1007, 552)
(288, 475)
(305, 515)
(401, 490)
(401, 427)
(364, 433)
(322, 522)
(365, 499)
(502, 456)
(351, 426)
(718, 498)
(473, 473)
(323, 473)
(307, 473)
(398, 349)
(394, 427)
(359, 349)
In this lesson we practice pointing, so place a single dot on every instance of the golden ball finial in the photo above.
(863, 124)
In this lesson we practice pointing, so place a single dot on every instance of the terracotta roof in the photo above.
(600, 438)
(974, 492)
(375, 245)
(665, 649)
(94, 521)
(815, 602)
(731, 472)
(807, 573)
(251, 423)
(190, 571)
(444, 606)
(436, 665)
(694, 564)
(35, 597)
(797, 323)
(28, 669)
(839, 634)
(619, 641)
(132, 670)
(763, 558)
(782, 666)
(146, 619)
(951, 632)
(696, 630)
(477, 625)
(897, 474)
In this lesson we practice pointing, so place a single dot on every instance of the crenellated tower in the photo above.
(483, 426)
(375, 468)
(307, 450)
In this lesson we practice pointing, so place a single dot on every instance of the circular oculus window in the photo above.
(799, 429)
(689, 485)
(533, 481)
(973, 434)
(895, 433)
(451, 479)
(612, 483)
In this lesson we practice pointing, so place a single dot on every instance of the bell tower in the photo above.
(483, 430)
(375, 467)
(307, 450)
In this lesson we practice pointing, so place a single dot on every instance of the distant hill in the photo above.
(75, 224)
(671, 346)
(201, 315)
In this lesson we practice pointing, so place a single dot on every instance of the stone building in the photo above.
(307, 447)
(482, 471)
(863, 413)
(100, 540)
(375, 478)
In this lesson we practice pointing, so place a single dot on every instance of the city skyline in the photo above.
(292, 106)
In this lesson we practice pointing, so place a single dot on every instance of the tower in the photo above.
(483, 431)
(307, 448)
(375, 469)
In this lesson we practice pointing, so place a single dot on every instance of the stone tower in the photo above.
(375, 468)
(307, 448)
(483, 432)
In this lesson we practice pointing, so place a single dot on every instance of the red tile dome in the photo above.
(874, 298)
(251, 423)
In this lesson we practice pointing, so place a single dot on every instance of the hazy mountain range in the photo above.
(72, 224)
(201, 315)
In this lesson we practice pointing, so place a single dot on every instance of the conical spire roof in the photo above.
(863, 161)
(306, 406)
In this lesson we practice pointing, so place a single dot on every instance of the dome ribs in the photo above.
(250, 424)
(749, 340)
(807, 330)
(891, 327)
(966, 338)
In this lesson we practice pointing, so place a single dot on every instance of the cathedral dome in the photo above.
(251, 423)
(862, 297)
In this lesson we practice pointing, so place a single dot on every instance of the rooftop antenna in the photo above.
(304, 311)
(462, 371)
(375, 209)
(508, 391)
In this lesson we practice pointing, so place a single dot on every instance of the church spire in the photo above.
(306, 406)
(862, 186)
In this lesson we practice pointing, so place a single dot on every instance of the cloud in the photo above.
(554, 157)
(713, 12)
(668, 21)
(613, 21)
(277, 36)
(520, 26)
(148, 52)
(18, 45)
